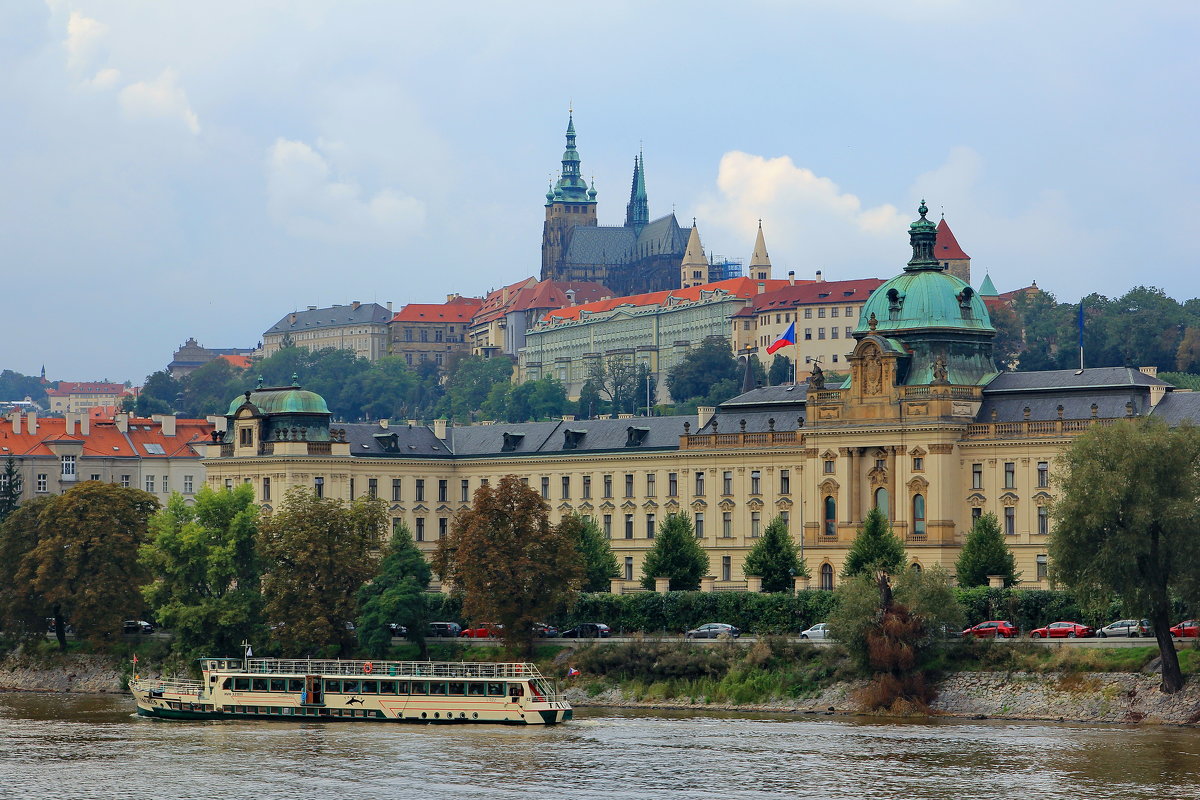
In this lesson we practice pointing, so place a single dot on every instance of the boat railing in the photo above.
(391, 669)
(173, 685)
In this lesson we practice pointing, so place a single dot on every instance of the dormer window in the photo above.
(895, 300)
(964, 302)
(246, 437)
(390, 442)
(635, 436)
(572, 438)
(511, 441)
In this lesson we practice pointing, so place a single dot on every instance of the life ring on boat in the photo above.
(367, 667)
(518, 669)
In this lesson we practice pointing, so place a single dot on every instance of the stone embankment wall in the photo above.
(70, 673)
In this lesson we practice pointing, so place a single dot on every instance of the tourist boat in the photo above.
(379, 691)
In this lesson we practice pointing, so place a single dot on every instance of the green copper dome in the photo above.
(924, 299)
(283, 400)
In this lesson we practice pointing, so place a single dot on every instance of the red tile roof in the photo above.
(104, 440)
(241, 362)
(67, 388)
(946, 248)
(459, 309)
(820, 293)
(498, 301)
(745, 288)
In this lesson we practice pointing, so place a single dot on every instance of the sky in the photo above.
(176, 169)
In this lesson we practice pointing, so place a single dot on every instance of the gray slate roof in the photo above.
(551, 437)
(1179, 407)
(368, 439)
(591, 244)
(332, 317)
(1068, 379)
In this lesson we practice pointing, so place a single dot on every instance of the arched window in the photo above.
(915, 567)
(919, 514)
(830, 516)
(827, 577)
(881, 500)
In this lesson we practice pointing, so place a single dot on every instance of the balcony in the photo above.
(704, 441)
(1033, 428)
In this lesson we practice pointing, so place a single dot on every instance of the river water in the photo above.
(80, 747)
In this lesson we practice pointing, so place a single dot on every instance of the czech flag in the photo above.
(789, 337)
(572, 672)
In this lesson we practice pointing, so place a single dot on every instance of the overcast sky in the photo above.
(176, 169)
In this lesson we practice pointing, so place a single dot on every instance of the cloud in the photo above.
(84, 35)
(104, 79)
(163, 98)
(306, 199)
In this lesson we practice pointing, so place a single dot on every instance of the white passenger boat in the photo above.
(360, 691)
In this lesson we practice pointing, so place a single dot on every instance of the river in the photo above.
(85, 747)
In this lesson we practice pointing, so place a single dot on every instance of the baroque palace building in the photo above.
(924, 427)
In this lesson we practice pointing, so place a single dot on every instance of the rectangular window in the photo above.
(785, 481)
(649, 526)
(420, 489)
(396, 495)
(442, 527)
(319, 486)
(651, 484)
(68, 466)
(918, 464)
(1010, 520)
(977, 476)
(587, 487)
(247, 436)
(165, 487)
(187, 484)
(352, 488)
(465, 490)
(833, 312)
(628, 568)
(755, 482)
(1043, 570)
(727, 524)
(808, 334)
(1043, 515)
(821, 313)
(699, 484)
(149, 483)
(443, 491)
(820, 333)
(808, 313)
(672, 484)
(608, 526)
(726, 568)
(976, 513)
(372, 488)
(755, 523)
(849, 331)
(628, 485)
(786, 516)
(93, 477)
(726, 483)
(829, 466)
(608, 485)
(266, 488)
(545, 488)
(629, 526)
(699, 524)
(849, 312)
(1043, 474)
(566, 487)
(42, 481)
(420, 533)
(833, 333)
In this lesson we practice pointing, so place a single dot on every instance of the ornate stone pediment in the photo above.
(917, 452)
(650, 505)
(976, 498)
(828, 486)
(1009, 498)
(420, 508)
(395, 508)
(828, 454)
(1043, 498)
(607, 505)
(445, 509)
(783, 504)
(878, 476)
(755, 504)
(629, 505)
(586, 506)
(565, 508)
(699, 505)
(671, 506)
(918, 485)
(726, 505)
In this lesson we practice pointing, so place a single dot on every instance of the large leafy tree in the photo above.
(985, 553)
(22, 611)
(395, 596)
(620, 383)
(782, 371)
(84, 567)
(205, 571)
(160, 394)
(599, 563)
(702, 368)
(11, 486)
(15, 386)
(318, 553)
(676, 554)
(471, 380)
(775, 558)
(512, 567)
(875, 549)
(1126, 520)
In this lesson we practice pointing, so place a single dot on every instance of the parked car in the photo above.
(1125, 627)
(485, 630)
(713, 630)
(818, 631)
(1188, 629)
(1062, 630)
(137, 626)
(543, 631)
(443, 629)
(397, 629)
(588, 630)
(992, 629)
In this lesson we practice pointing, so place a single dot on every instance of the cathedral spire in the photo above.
(637, 213)
(571, 187)
(760, 262)
(694, 269)
(922, 234)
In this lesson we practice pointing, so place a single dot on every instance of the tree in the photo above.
(15, 386)
(470, 381)
(929, 595)
(1187, 356)
(704, 366)
(676, 555)
(875, 548)
(782, 371)
(596, 556)
(616, 379)
(206, 571)
(985, 553)
(22, 612)
(511, 566)
(395, 597)
(775, 558)
(318, 553)
(1126, 519)
(160, 389)
(209, 389)
(11, 485)
(1007, 346)
(84, 566)
(590, 404)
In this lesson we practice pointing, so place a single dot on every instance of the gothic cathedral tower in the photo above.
(569, 204)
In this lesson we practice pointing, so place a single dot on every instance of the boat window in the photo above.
(350, 687)
(420, 687)
(259, 684)
(295, 685)
(475, 689)
(225, 683)
(495, 689)
(333, 686)
(387, 687)
(516, 690)
(278, 684)
(241, 684)
(437, 687)
(370, 687)
(458, 688)
(402, 687)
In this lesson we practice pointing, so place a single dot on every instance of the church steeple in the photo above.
(694, 269)
(760, 262)
(570, 204)
(922, 234)
(571, 187)
(637, 213)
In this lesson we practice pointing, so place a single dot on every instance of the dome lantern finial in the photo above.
(922, 235)
(295, 379)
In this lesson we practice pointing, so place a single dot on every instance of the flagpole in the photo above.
(796, 362)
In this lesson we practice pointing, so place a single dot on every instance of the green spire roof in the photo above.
(637, 213)
(988, 289)
(571, 187)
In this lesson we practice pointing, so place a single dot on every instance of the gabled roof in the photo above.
(1095, 377)
(551, 294)
(498, 301)
(67, 388)
(815, 293)
(459, 309)
(595, 244)
(745, 288)
(332, 317)
(946, 247)
(105, 440)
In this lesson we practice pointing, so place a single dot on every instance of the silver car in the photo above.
(1125, 627)
(818, 631)
(713, 630)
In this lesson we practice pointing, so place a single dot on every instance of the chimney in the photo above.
(704, 414)
(389, 306)
(570, 297)
(168, 424)
(762, 287)
(568, 418)
(122, 421)
(819, 278)
(85, 424)
(31, 421)
(292, 318)
(1151, 371)
(791, 277)
(383, 423)
(69, 419)
(439, 428)
(354, 304)
(624, 416)
(15, 418)
(312, 308)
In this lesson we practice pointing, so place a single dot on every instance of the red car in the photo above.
(1188, 629)
(1062, 630)
(992, 629)
(486, 630)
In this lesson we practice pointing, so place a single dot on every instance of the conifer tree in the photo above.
(395, 596)
(10, 488)
(875, 549)
(676, 555)
(775, 558)
(599, 563)
(985, 553)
